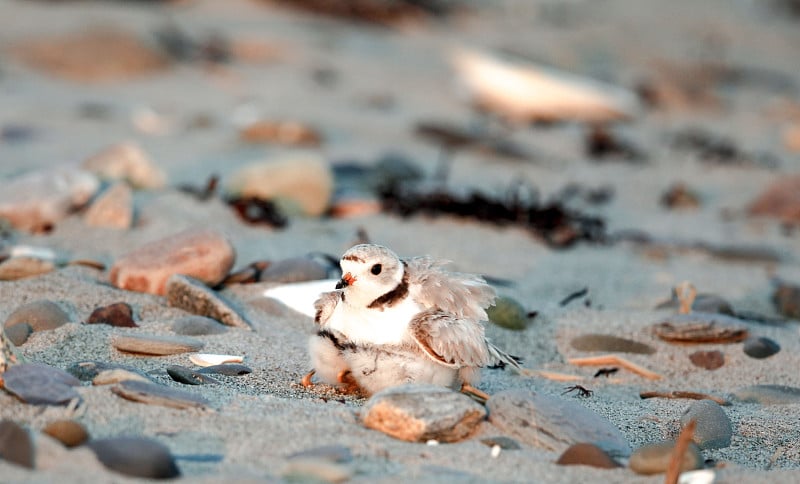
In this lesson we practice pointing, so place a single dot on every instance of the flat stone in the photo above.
(702, 328)
(418, 413)
(136, 456)
(191, 295)
(228, 369)
(553, 423)
(769, 394)
(507, 313)
(610, 343)
(155, 345)
(760, 348)
(198, 326)
(18, 333)
(41, 315)
(23, 267)
(68, 432)
(118, 314)
(40, 384)
(584, 454)
(203, 254)
(117, 375)
(710, 360)
(655, 458)
(16, 445)
(332, 453)
(155, 394)
(295, 269)
(89, 370)
(187, 376)
(112, 209)
(714, 429)
(126, 161)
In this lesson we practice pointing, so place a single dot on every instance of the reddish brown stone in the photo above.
(780, 200)
(710, 360)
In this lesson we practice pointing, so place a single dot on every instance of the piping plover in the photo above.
(392, 321)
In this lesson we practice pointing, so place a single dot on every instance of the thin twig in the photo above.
(681, 445)
(683, 394)
(614, 360)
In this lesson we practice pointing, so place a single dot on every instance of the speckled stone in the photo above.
(41, 315)
(187, 376)
(40, 384)
(714, 429)
(118, 314)
(23, 267)
(655, 458)
(112, 209)
(136, 456)
(228, 369)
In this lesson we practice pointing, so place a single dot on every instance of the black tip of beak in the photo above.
(342, 283)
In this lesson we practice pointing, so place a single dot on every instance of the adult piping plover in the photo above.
(392, 321)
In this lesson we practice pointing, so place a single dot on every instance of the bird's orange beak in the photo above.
(347, 280)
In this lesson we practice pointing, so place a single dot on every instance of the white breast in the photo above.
(364, 325)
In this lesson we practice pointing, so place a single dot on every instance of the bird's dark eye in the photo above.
(376, 269)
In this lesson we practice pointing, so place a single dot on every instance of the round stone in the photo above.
(113, 208)
(655, 458)
(710, 360)
(714, 429)
(760, 347)
(18, 334)
(21, 267)
(228, 369)
(118, 314)
(41, 315)
(136, 456)
(156, 345)
(68, 432)
(508, 313)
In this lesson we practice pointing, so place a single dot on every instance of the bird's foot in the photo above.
(306, 381)
(348, 383)
(472, 392)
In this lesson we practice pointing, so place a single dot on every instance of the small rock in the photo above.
(710, 360)
(136, 456)
(714, 429)
(155, 394)
(787, 300)
(609, 343)
(418, 413)
(18, 333)
(118, 314)
(113, 208)
(197, 326)
(89, 370)
(303, 184)
(701, 328)
(41, 315)
(190, 295)
(586, 455)
(228, 369)
(505, 443)
(126, 161)
(187, 376)
(40, 384)
(36, 201)
(760, 347)
(781, 200)
(155, 345)
(655, 458)
(553, 423)
(508, 313)
(679, 196)
(203, 254)
(16, 445)
(295, 269)
(332, 453)
(68, 432)
(769, 394)
(109, 377)
(290, 133)
(21, 267)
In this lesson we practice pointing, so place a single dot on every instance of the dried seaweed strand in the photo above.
(683, 394)
(606, 360)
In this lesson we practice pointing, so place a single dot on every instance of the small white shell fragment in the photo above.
(432, 442)
(301, 296)
(495, 451)
(702, 476)
(207, 359)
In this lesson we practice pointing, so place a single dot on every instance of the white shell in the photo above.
(702, 476)
(207, 359)
(301, 296)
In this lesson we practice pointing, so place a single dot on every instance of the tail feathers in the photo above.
(503, 359)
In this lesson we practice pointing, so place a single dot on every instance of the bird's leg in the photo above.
(473, 392)
(349, 384)
(306, 381)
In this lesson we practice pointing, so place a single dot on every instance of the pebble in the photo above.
(136, 456)
(418, 413)
(187, 376)
(760, 347)
(89, 370)
(228, 369)
(155, 345)
(710, 360)
(714, 429)
(290, 133)
(769, 394)
(203, 254)
(126, 161)
(109, 377)
(155, 394)
(326, 463)
(609, 343)
(190, 295)
(19, 333)
(584, 454)
(16, 445)
(40, 384)
(295, 269)
(37, 201)
(41, 315)
(787, 300)
(553, 423)
(198, 326)
(701, 328)
(781, 200)
(296, 184)
(112, 209)
(118, 314)
(679, 196)
(22, 267)
(68, 432)
(655, 458)
(333, 453)
(505, 443)
(507, 313)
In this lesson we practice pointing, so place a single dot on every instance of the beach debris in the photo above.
(655, 458)
(326, 463)
(291, 133)
(525, 92)
(40, 384)
(452, 138)
(300, 296)
(699, 302)
(683, 394)
(419, 413)
(116, 375)
(36, 201)
(202, 193)
(579, 390)
(376, 12)
(22, 267)
(68, 432)
(710, 359)
(553, 423)
(136, 457)
(713, 428)
(255, 210)
(760, 347)
(187, 376)
(768, 394)
(112, 209)
(177, 44)
(194, 325)
(156, 345)
(585, 454)
(701, 328)
(195, 297)
(787, 299)
(679, 196)
(610, 343)
(16, 444)
(712, 148)
(606, 372)
(615, 360)
(228, 369)
(602, 143)
(156, 394)
(208, 359)
(507, 313)
(681, 445)
(297, 184)
(118, 314)
(573, 296)
(204, 254)
(89, 370)
(41, 315)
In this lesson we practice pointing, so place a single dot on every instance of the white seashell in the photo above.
(495, 451)
(301, 296)
(207, 359)
(702, 476)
